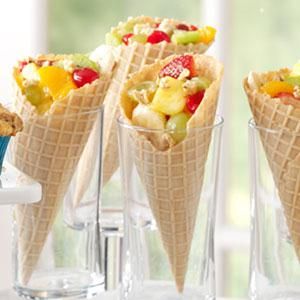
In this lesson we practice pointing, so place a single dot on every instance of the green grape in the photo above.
(113, 39)
(177, 125)
(139, 38)
(186, 37)
(83, 61)
(202, 83)
(35, 94)
(293, 80)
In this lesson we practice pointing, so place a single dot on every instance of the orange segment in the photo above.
(57, 80)
(207, 34)
(273, 88)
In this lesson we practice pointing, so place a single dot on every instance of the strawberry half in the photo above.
(126, 37)
(177, 65)
(193, 101)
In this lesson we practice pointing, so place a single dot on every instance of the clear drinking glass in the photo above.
(274, 267)
(170, 205)
(57, 251)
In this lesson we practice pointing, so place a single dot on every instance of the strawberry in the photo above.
(177, 65)
(126, 37)
(22, 64)
(194, 101)
(286, 95)
(193, 28)
(84, 76)
(158, 36)
(182, 27)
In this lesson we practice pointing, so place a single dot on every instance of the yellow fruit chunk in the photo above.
(207, 34)
(57, 80)
(273, 88)
(169, 98)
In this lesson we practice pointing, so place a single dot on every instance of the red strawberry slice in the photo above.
(286, 95)
(193, 28)
(194, 101)
(177, 65)
(84, 76)
(126, 37)
(22, 64)
(158, 36)
(182, 27)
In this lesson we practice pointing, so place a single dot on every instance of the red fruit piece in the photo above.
(84, 76)
(177, 65)
(22, 64)
(156, 25)
(183, 27)
(126, 37)
(193, 28)
(158, 36)
(193, 101)
(285, 95)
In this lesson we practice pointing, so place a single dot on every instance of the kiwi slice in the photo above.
(182, 37)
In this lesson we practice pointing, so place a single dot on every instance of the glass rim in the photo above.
(218, 122)
(252, 125)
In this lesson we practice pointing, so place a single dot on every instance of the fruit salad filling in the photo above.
(287, 86)
(153, 31)
(171, 100)
(50, 78)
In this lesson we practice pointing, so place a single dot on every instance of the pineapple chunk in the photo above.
(169, 98)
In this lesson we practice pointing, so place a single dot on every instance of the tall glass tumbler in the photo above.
(274, 267)
(170, 206)
(57, 251)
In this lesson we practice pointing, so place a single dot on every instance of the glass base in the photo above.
(63, 283)
(276, 293)
(158, 290)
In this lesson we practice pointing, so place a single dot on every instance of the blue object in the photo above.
(4, 140)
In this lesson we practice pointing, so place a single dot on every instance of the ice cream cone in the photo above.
(172, 175)
(48, 150)
(281, 148)
(131, 59)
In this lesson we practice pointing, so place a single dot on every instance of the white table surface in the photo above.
(10, 295)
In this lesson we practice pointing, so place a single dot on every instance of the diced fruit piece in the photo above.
(22, 64)
(177, 65)
(186, 37)
(169, 99)
(293, 80)
(195, 85)
(207, 34)
(30, 73)
(183, 27)
(193, 27)
(82, 61)
(113, 39)
(273, 88)
(18, 78)
(158, 36)
(143, 92)
(126, 37)
(144, 116)
(57, 80)
(84, 76)
(286, 95)
(177, 125)
(296, 70)
(35, 94)
(194, 101)
(140, 38)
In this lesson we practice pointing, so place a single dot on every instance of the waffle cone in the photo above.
(173, 175)
(48, 150)
(282, 149)
(131, 59)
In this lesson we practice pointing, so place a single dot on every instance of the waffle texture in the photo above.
(48, 150)
(282, 146)
(173, 177)
(130, 59)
